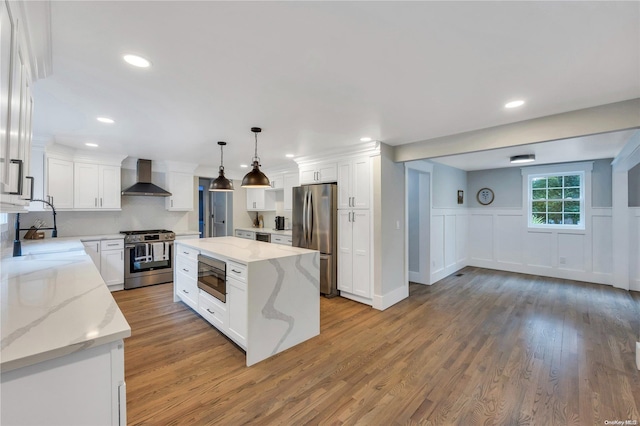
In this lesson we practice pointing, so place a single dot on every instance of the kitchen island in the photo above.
(272, 292)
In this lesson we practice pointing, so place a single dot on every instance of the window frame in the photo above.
(582, 169)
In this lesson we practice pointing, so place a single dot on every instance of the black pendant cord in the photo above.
(255, 131)
(221, 158)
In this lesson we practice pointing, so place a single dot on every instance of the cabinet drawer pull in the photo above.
(237, 272)
(186, 270)
(185, 252)
(112, 245)
(210, 311)
(185, 291)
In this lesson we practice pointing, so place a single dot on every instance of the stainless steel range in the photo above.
(148, 257)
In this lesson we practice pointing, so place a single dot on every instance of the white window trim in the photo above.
(583, 168)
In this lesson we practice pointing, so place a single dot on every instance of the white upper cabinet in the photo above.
(318, 173)
(261, 200)
(354, 183)
(182, 187)
(96, 186)
(59, 187)
(276, 181)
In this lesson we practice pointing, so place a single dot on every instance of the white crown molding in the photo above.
(62, 152)
(369, 148)
(629, 156)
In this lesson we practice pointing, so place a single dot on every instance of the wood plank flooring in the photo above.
(487, 347)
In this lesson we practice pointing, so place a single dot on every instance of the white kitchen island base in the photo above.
(273, 292)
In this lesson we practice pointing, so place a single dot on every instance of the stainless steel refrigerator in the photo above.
(315, 227)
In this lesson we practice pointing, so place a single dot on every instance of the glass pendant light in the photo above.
(221, 183)
(255, 178)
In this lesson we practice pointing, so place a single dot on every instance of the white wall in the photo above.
(390, 280)
(634, 232)
(634, 186)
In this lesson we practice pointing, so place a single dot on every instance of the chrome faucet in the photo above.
(17, 246)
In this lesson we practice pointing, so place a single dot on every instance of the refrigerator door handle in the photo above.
(304, 219)
(310, 213)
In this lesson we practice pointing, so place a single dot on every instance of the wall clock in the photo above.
(485, 196)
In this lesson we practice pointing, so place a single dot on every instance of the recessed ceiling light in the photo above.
(92, 145)
(137, 61)
(366, 139)
(289, 155)
(514, 104)
(105, 120)
(244, 166)
(527, 158)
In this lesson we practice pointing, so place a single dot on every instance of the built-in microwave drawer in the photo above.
(187, 252)
(237, 271)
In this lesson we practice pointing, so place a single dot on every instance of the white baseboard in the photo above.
(415, 277)
(443, 273)
(634, 285)
(391, 298)
(357, 298)
(116, 287)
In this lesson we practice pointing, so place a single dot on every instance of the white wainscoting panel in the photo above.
(449, 241)
(602, 244)
(571, 252)
(437, 244)
(500, 239)
(539, 249)
(481, 237)
(508, 235)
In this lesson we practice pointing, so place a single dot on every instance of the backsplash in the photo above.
(137, 213)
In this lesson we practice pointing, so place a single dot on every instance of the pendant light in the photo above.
(255, 178)
(221, 183)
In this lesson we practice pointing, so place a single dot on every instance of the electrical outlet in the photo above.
(563, 260)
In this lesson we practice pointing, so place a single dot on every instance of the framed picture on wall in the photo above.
(460, 196)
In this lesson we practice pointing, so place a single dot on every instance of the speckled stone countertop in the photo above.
(54, 304)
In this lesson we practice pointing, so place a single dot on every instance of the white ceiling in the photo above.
(320, 75)
(576, 149)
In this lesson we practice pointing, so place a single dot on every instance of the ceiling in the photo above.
(321, 75)
(593, 147)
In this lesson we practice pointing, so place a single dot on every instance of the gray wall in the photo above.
(505, 183)
(634, 186)
(507, 186)
(445, 185)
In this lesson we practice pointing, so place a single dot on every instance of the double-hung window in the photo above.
(557, 199)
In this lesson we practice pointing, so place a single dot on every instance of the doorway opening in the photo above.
(215, 211)
(418, 208)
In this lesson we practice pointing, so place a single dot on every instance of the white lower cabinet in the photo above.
(86, 387)
(237, 306)
(213, 310)
(185, 277)
(112, 261)
(354, 252)
(108, 256)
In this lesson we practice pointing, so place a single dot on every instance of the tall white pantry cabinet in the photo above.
(354, 229)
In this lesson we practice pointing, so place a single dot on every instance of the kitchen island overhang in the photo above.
(278, 293)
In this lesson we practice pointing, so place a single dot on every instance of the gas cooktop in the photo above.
(152, 235)
(152, 231)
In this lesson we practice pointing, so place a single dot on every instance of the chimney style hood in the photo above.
(144, 185)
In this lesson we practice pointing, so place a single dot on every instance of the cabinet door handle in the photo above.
(100, 202)
(31, 178)
(20, 171)
(95, 202)
(121, 255)
(171, 203)
(354, 217)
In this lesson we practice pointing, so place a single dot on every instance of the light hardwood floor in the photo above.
(487, 347)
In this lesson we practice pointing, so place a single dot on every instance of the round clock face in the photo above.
(485, 196)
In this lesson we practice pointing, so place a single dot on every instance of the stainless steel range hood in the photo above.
(144, 185)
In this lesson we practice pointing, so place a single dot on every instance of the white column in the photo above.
(620, 213)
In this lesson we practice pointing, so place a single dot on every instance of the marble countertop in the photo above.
(180, 233)
(55, 304)
(243, 250)
(268, 231)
